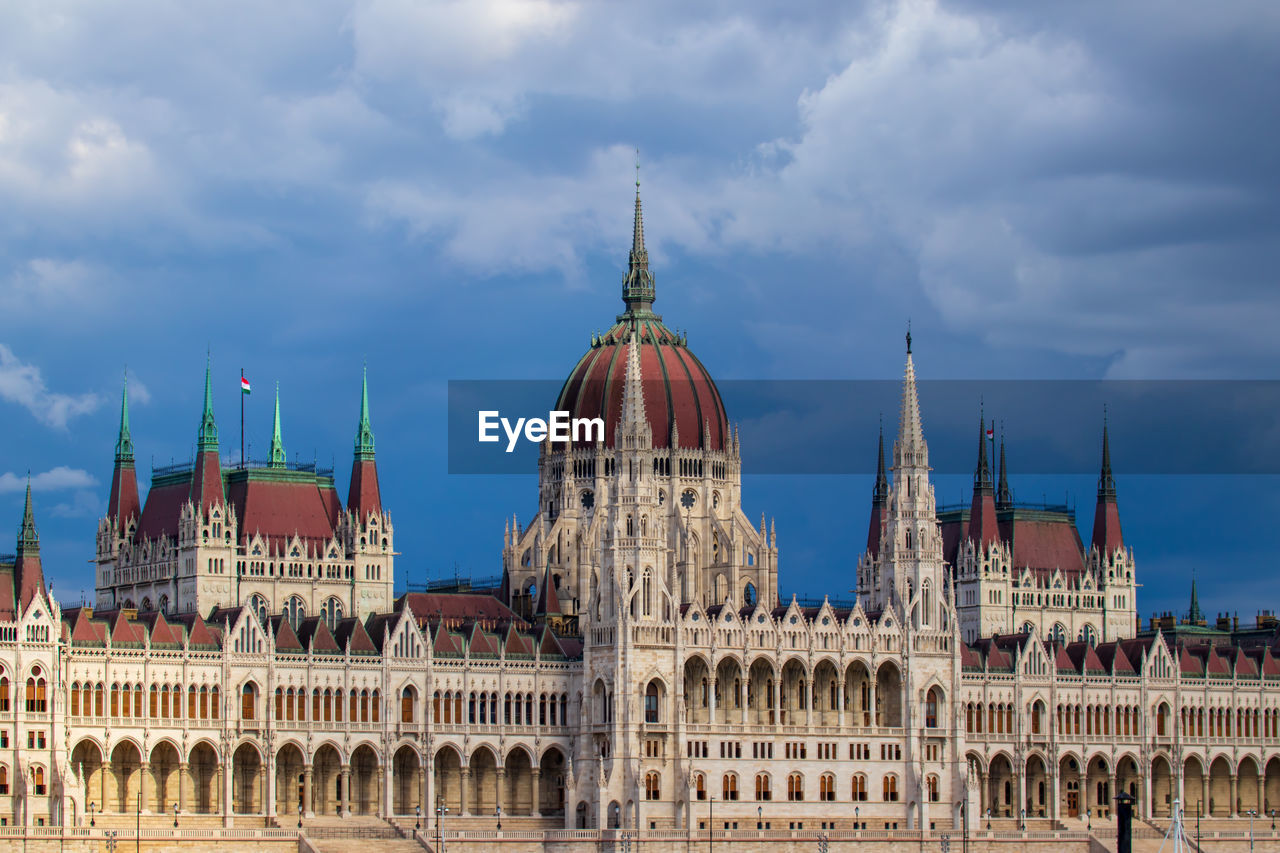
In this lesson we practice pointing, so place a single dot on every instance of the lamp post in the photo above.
(137, 837)
(759, 817)
(299, 815)
(499, 814)
(175, 815)
(417, 817)
(1089, 817)
(1022, 820)
(1199, 808)
(711, 820)
(440, 813)
(1252, 815)
(856, 818)
(91, 807)
(988, 819)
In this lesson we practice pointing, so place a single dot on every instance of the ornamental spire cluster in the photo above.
(638, 284)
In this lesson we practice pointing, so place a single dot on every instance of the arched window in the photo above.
(700, 786)
(4, 693)
(651, 703)
(859, 788)
(406, 705)
(729, 786)
(37, 779)
(295, 611)
(258, 606)
(890, 788)
(652, 786)
(4, 780)
(764, 790)
(827, 788)
(795, 788)
(331, 613)
(248, 700)
(931, 785)
(931, 708)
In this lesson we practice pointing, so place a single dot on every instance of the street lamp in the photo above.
(299, 815)
(175, 815)
(1022, 820)
(856, 811)
(91, 806)
(1089, 816)
(441, 811)
(499, 818)
(759, 817)
(417, 817)
(988, 818)
(711, 820)
(1273, 820)
(1252, 815)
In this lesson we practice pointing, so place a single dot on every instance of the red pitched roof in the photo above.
(278, 509)
(125, 631)
(206, 481)
(123, 503)
(1106, 527)
(163, 507)
(162, 633)
(457, 607)
(1047, 545)
(364, 496)
(8, 596)
(286, 638)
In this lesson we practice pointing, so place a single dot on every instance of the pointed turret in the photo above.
(1106, 517)
(638, 285)
(634, 432)
(364, 496)
(1194, 615)
(879, 500)
(123, 504)
(548, 598)
(983, 529)
(277, 458)
(910, 449)
(28, 576)
(1004, 497)
(206, 480)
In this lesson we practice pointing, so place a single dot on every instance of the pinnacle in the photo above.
(364, 432)
(207, 438)
(124, 442)
(277, 458)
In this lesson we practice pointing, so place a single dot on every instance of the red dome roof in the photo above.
(678, 390)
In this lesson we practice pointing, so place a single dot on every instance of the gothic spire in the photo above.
(880, 497)
(28, 536)
(1004, 497)
(1194, 615)
(982, 473)
(124, 442)
(207, 439)
(633, 424)
(638, 285)
(910, 449)
(364, 432)
(277, 458)
(1106, 483)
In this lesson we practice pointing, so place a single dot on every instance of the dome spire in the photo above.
(124, 443)
(207, 438)
(364, 432)
(637, 284)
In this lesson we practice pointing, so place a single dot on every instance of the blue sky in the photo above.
(442, 190)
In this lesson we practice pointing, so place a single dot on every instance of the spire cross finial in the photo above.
(637, 171)
(908, 336)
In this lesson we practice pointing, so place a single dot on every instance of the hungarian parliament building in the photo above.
(247, 658)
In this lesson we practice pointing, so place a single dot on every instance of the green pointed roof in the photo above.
(1194, 615)
(364, 432)
(1106, 482)
(277, 459)
(124, 443)
(28, 536)
(208, 436)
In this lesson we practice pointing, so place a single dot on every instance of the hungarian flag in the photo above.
(244, 385)
(991, 431)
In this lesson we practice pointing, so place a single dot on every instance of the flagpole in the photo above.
(242, 418)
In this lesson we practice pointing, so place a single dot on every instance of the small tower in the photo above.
(28, 575)
(123, 505)
(206, 480)
(277, 458)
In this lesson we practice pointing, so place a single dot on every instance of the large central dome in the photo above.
(680, 398)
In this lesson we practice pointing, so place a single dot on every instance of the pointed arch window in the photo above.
(295, 611)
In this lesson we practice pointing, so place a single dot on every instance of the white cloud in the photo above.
(22, 383)
(56, 479)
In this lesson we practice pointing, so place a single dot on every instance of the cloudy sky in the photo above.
(442, 190)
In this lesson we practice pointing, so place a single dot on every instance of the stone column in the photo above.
(742, 698)
(308, 807)
(535, 787)
(1262, 801)
(184, 785)
(1148, 807)
(808, 702)
(388, 790)
(1235, 787)
(420, 785)
(840, 701)
(223, 781)
(345, 785)
(711, 700)
(1084, 790)
(871, 701)
(108, 787)
(270, 794)
(1055, 785)
(1112, 789)
(777, 698)
(501, 794)
(466, 784)
(1204, 790)
(1022, 793)
(144, 771)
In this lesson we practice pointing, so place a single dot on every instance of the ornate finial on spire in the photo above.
(277, 459)
(982, 474)
(908, 336)
(207, 439)
(124, 443)
(28, 536)
(638, 285)
(364, 432)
